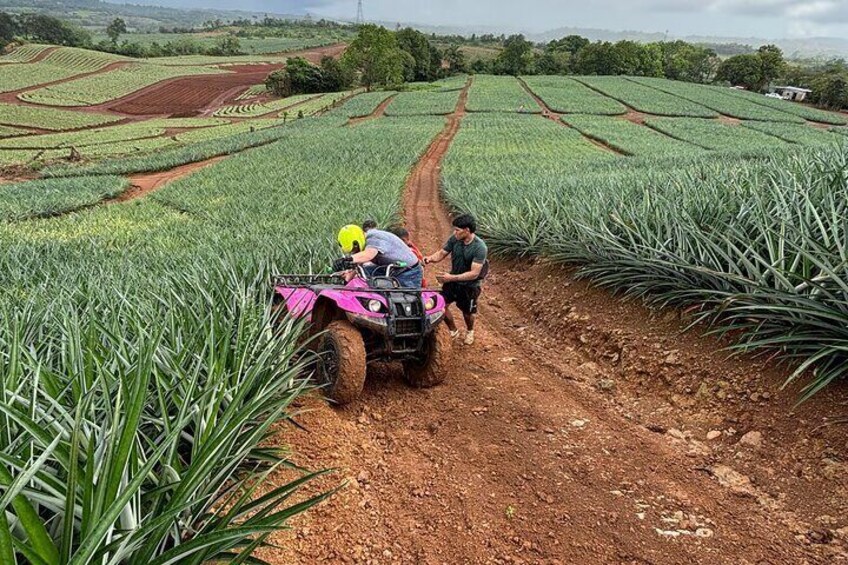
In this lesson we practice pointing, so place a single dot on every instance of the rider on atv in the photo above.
(382, 250)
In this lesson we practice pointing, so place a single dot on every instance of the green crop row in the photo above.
(43, 198)
(252, 110)
(24, 53)
(794, 108)
(362, 104)
(801, 134)
(646, 99)
(50, 118)
(629, 138)
(99, 136)
(63, 63)
(715, 135)
(6, 131)
(500, 94)
(168, 123)
(423, 103)
(194, 399)
(253, 92)
(722, 100)
(756, 247)
(567, 96)
(102, 87)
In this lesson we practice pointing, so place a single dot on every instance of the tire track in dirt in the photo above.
(516, 459)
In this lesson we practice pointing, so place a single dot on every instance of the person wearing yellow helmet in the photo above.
(383, 249)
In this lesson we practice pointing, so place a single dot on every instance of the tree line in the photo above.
(376, 58)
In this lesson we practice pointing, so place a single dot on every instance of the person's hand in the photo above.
(349, 275)
(444, 278)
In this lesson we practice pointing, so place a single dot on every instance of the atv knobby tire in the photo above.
(432, 368)
(342, 364)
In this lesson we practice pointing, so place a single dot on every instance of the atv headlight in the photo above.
(430, 304)
(375, 306)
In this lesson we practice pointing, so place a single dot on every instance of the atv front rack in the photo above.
(302, 281)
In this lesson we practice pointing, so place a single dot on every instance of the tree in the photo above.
(8, 29)
(115, 29)
(418, 46)
(455, 59)
(553, 63)
(571, 44)
(516, 58)
(226, 45)
(47, 29)
(375, 55)
(335, 76)
(742, 70)
(298, 77)
(772, 65)
(597, 58)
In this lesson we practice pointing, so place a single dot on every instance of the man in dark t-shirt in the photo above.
(468, 269)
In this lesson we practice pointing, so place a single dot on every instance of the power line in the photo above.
(360, 14)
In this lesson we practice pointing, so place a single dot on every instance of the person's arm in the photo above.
(436, 257)
(470, 276)
(366, 256)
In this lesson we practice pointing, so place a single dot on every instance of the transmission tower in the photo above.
(360, 14)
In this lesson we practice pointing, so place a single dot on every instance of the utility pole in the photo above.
(360, 14)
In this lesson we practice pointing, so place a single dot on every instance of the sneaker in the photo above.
(469, 338)
(455, 334)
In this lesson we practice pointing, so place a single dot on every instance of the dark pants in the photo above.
(464, 295)
(412, 277)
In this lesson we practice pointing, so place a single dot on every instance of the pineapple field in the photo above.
(660, 369)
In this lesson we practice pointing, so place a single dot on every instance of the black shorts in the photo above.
(463, 295)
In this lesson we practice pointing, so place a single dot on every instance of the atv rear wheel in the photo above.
(341, 365)
(431, 368)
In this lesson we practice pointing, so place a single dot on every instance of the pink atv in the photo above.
(367, 320)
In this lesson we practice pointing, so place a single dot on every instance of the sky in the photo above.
(729, 18)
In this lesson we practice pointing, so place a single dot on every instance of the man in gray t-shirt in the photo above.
(383, 248)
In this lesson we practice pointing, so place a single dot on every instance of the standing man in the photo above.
(469, 267)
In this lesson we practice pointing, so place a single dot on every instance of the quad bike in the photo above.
(367, 320)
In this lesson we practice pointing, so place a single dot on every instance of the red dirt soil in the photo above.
(574, 431)
(378, 112)
(190, 96)
(145, 183)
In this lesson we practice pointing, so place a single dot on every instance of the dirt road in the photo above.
(574, 431)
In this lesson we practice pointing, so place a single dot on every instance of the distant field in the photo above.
(249, 45)
(63, 63)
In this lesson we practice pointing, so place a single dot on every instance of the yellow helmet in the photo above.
(349, 235)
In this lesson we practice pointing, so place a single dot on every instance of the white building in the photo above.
(793, 93)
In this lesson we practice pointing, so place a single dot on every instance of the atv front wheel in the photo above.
(431, 368)
(341, 366)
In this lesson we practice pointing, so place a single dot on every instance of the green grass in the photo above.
(51, 118)
(646, 99)
(800, 134)
(567, 96)
(715, 135)
(500, 94)
(722, 100)
(43, 198)
(111, 85)
(628, 137)
(423, 103)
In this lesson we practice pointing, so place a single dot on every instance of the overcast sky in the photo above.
(741, 18)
